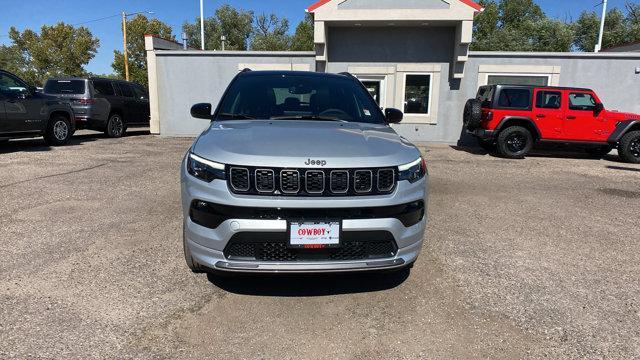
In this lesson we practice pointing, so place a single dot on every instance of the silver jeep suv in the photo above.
(301, 172)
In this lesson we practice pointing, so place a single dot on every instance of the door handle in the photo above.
(571, 117)
(541, 115)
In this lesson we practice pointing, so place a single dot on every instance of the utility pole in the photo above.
(124, 43)
(604, 15)
(202, 24)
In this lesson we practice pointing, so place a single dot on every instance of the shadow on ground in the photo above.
(544, 152)
(38, 144)
(308, 285)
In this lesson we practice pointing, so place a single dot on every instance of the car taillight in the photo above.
(83, 101)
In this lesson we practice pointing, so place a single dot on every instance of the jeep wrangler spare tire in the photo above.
(472, 114)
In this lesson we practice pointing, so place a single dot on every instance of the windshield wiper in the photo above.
(307, 117)
(236, 116)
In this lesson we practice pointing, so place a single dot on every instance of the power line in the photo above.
(94, 20)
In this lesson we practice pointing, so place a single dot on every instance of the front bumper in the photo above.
(207, 245)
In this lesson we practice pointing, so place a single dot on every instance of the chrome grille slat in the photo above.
(362, 181)
(290, 181)
(314, 181)
(265, 180)
(239, 178)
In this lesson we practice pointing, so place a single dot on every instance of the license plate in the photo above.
(314, 234)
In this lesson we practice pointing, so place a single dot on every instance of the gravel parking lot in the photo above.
(523, 259)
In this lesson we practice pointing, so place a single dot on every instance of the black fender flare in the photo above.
(62, 109)
(525, 119)
(622, 128)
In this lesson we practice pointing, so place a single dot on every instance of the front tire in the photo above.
(115, 126)
(58, 131)
(515, 142)
(629, 147)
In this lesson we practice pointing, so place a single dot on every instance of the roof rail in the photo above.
(245, 70)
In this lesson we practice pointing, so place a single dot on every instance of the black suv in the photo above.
(27, 113)
(103, 104)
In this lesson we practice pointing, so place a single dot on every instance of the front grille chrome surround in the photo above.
(314, 181)
(363, 181)
(239, 179)
(270, 181)
(265, 180)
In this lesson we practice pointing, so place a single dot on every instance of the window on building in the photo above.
(373, 87)
(515, 98)
(417, 93)
(518, 80)
(582, 101)
(548, 100)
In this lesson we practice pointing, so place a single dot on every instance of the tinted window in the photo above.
(11, 86)
(548, 100)
(298, 96)
(416, 94)
(581, 101)
(485, 95)
(140, 92)
(125, 90)
(64, 87)
(514, 98)
(103, 87)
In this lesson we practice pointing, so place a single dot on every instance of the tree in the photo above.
(270, 34)
(303, 38)
(619, 28)
(234, 24)
(59, 50)
(519, 25)
(136, 29)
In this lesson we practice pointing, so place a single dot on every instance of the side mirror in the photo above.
(393, 116)
(201, 111)
(599, 107)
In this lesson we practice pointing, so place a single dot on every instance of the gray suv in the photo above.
(103, 104)
(301, 172)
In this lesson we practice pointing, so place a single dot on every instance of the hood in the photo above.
(292, 143)
(619, 116)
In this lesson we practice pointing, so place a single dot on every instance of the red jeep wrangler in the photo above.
(512, 118)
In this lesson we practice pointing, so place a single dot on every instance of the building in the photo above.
(411, 54)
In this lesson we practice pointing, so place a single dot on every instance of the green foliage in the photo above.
(270, 34)
(519, 25)
(235, 24)
(303, 38)
(619, 29)
(58, 50)
(136, 29)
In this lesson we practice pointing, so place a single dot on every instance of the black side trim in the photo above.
(622, 128)
(525, 119)
(212, 215)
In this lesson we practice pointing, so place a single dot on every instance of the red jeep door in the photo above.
(549, 113)
(582, 123)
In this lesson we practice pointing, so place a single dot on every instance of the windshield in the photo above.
(302, 97)
(64, 87)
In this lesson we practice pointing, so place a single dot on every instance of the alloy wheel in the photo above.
(116, 126)
(634, 147)
(60, 130)
(516, 142)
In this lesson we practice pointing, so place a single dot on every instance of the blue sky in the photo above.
(35, 13)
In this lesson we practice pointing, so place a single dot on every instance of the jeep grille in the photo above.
(311, 182)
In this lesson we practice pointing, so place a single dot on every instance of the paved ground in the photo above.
(524, 259)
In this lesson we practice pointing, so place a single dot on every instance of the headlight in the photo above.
(204, 169)
(412, 171)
